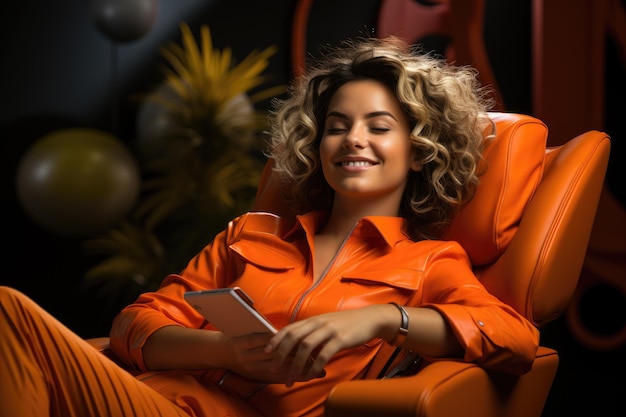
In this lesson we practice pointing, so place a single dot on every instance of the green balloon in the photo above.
(77, 181)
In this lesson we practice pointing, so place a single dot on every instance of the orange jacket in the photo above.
(272, 261)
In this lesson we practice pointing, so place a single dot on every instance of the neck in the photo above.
(345, 214)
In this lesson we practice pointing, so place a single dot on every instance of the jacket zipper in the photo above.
(298, 306)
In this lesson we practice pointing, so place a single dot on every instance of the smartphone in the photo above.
(230, 310)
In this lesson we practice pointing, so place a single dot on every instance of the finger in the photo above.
(318, 361)
(276, 340)
(306, 362)
(284, 342)
(251, 341)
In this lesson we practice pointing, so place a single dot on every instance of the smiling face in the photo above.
(365, 150)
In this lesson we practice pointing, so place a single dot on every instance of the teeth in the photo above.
(356, 163)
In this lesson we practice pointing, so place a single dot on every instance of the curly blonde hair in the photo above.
(446, 108)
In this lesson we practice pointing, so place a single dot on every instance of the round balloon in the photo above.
(77, 181)
(124, 20)
(156, 124)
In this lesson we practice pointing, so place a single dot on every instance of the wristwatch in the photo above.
(403, 331)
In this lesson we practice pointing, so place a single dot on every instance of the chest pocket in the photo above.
(276, 255)
(399, 278)
(380, 286)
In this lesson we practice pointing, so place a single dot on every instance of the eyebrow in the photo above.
(367, 116)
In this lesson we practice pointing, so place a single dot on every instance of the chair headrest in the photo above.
(484, 226)
(514, 167)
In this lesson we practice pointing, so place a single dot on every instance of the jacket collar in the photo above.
(390, 229)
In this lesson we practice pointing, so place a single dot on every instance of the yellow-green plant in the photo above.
(198, 172)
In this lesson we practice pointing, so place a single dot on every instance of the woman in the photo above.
(378, 146)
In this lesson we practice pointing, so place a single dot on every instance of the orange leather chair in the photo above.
(526, 231)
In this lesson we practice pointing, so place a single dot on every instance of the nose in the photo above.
(356, 137)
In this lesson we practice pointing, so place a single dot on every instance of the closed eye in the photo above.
(339, 130)
(335, 130)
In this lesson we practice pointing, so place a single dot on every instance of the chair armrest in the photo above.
(449, 389)
(100, 343)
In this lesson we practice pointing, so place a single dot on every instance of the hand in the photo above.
(321, 337)
(249, 358)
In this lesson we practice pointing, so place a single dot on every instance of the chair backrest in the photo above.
(538, 271)
(526, 230)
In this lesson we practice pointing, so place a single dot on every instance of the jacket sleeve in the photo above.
(210, 268)
(491, 332)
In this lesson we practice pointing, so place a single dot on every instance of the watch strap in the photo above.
(403, 330)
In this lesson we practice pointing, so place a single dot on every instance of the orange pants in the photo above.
(47, 370)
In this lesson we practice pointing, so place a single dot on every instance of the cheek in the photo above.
(398, 150)
(326, 150)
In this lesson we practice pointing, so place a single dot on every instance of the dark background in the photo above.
(59, 70)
